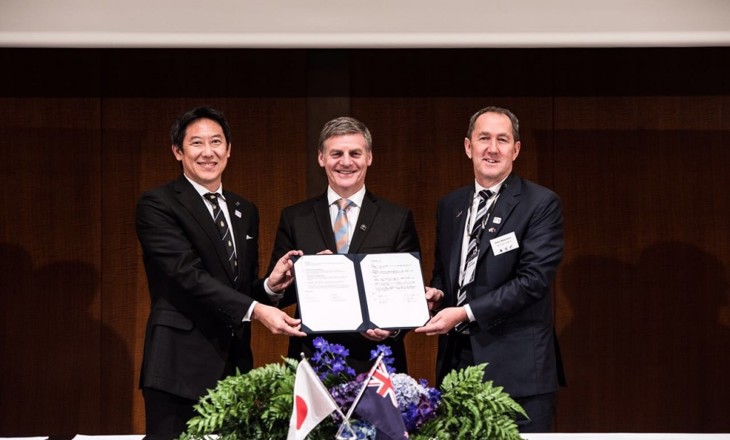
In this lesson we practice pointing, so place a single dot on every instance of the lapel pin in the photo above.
(238, 213)
(492, 230)
(363, 227)
(497, 220)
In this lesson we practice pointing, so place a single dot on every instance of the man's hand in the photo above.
(283, 274)
(376, 334)
(434, 298)
(277, 321)
(443, 321)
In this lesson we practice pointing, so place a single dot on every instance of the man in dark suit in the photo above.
(499, 242)
(200, 246)
(368, 225)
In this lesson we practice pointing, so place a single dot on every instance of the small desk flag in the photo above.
(312, 402)
(379, 406)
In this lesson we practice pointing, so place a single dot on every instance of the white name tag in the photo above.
(504, 243)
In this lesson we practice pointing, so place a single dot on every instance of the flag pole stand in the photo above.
(345, 432)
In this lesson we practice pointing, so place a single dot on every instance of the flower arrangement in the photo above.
(258, 404)
(416, 400)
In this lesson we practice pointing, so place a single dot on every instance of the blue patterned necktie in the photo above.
(341, 226)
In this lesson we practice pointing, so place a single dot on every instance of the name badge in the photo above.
(504, 243)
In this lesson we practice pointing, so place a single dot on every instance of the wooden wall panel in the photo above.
(49, 138)
(643, 294)
(50, 237)
(647, 253)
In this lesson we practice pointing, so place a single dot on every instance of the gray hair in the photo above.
(501, 111)
(342, 126)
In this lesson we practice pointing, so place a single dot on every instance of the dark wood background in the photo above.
(635, 141)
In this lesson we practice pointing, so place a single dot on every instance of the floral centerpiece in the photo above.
(258, 404)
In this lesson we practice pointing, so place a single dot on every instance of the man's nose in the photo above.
(207, 149)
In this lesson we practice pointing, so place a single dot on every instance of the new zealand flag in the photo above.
(379, 406)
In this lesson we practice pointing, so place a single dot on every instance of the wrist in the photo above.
(272, 289)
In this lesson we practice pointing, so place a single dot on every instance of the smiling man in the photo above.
(200, 248)
(345, 219)
(499, 242)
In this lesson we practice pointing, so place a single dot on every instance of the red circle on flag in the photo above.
(301, 406)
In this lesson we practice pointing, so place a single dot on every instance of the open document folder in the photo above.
(355, 292)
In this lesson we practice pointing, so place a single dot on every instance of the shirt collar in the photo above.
(493, 188)
(203, 190)
(356, 198)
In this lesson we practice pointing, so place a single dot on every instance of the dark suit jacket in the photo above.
(382, 227)
(511, 294)
(195, 323)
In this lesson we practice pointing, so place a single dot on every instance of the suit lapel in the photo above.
(459, 214)
(368, 211)
(324, 222)
(191, 200)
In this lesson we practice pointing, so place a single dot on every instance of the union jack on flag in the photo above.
(379, 405)
(381, 381)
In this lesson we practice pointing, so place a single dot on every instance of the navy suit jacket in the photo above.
(511, 295)
(382, 227)
(195, 323)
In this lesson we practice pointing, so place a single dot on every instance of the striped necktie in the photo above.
(467, 276)
(341, 226)
(225, 233)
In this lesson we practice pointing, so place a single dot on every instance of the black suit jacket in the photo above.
(511, 294)
(382, 227)
(195, 324)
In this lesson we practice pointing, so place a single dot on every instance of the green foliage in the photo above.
(255, 405)
(258, 405)
(472, 409)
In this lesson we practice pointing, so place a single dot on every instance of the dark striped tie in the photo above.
(225, 233)
(467, 276)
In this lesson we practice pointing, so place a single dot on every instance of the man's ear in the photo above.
(467, 147)
(177, 151)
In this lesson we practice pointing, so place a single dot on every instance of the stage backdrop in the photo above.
(635, 141)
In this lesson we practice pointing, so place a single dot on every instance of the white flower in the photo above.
(407, 389)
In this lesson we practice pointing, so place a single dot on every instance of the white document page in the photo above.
(327, 293)
(394, 289)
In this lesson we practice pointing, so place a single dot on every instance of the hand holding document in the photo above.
(355, 292)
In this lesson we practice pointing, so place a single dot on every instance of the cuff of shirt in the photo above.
(249, 312)
(469, 313)
(273, 296)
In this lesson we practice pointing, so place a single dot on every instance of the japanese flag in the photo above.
(312, 402)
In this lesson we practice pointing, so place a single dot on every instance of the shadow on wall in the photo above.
(648, 348)
(52, 355)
